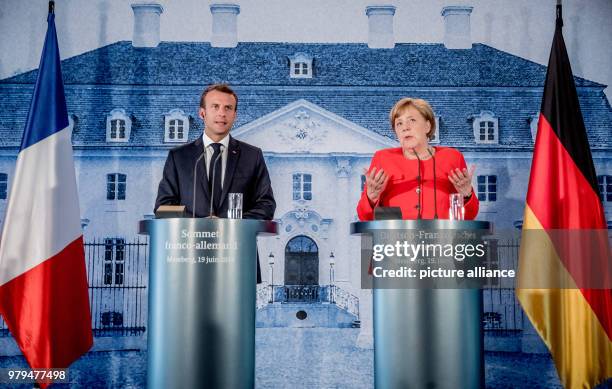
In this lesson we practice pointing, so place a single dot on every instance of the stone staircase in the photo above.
(306, 306)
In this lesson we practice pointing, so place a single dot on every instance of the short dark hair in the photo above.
(223, 88)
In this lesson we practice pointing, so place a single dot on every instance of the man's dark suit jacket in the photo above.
(245, 173)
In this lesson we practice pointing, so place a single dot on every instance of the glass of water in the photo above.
(456, 210)
(234, 211)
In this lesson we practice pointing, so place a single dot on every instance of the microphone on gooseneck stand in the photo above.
(419, 190)
(212, 187)
(195, 179)
(434, 178)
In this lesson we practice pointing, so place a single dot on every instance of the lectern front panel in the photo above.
(202, 291)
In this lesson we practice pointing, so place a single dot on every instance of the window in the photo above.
(300, 66)
(3, 186)
(177, 126)
(176, 129)
(118, 126)
(117, 129)
(114, 260)
(115, 186)
(302, 186)
(487, 188)
(604, 182)
(486, 128)
(487, 131)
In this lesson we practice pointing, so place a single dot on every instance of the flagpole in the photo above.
(51, 7)
(559, 13)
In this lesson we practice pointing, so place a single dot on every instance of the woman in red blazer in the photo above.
(404, 176)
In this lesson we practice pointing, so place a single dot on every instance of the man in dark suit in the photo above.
(216, 164)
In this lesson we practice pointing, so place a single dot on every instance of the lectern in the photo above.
(426, 337)
(202, 291)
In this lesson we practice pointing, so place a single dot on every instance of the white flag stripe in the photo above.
(42, 215)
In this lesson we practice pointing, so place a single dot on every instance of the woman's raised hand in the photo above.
(376, 182)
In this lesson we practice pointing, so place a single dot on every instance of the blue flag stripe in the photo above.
(48, 113)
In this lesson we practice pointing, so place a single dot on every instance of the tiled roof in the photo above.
(350, 80)
(367, 108)
(350, 64)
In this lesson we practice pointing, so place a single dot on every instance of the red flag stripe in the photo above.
(561, 198)
(559, 194)
(26, 303)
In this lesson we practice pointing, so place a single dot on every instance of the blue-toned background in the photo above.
(315, 83)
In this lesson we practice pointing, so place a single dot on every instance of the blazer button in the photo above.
(418, 190)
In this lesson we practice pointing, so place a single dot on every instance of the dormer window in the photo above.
(300, 69)
(300, 66)
(176, 126)
(117, 129)
(533, 124)
(118, 126)
(486, 128)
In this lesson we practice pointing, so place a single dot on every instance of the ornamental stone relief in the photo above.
(301, 133)
(343, 167)
(302, 220)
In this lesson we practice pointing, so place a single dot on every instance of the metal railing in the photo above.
(117, 273)
(302, 294)
(345, 300)
(308, 294)
(502, 311)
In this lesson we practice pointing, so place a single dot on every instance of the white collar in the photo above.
(207, 141)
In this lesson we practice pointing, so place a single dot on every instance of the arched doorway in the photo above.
(301, 261)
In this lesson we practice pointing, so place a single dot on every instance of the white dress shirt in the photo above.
(210, 150)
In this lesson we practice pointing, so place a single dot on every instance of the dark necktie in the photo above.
(214, 172)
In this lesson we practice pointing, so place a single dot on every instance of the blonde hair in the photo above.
(420, 105)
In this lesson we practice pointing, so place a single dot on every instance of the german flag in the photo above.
(574, 320)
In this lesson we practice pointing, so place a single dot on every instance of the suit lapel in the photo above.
(202, 176)
(232, 162)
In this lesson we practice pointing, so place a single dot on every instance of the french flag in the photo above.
(43, 283)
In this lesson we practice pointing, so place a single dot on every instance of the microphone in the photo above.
(195, 178)
(434, 178)
(212, 187)
(419, 190)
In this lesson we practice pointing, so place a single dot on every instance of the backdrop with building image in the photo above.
(318, 111)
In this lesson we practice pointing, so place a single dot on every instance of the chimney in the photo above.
(224, 25)
(457, 31)
(146, 24)
(380, 20)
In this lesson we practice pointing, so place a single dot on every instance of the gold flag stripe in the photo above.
(563, 318)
